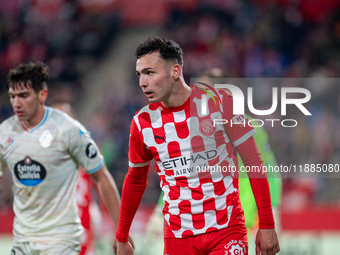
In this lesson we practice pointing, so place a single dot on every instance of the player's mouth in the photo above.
(19, 113)
(148, 94)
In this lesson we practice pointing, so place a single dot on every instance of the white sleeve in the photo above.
(82, 148)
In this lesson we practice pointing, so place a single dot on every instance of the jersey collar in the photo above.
(39, 125)
(178, 108)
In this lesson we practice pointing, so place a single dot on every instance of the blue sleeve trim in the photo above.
(97, 168)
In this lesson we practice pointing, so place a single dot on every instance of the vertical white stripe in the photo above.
(179, 116)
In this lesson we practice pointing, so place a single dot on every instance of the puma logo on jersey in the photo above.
(160, 137)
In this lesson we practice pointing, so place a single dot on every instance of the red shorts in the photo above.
(228, 241)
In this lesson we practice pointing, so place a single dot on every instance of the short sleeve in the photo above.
(82, 148)
(139, 154)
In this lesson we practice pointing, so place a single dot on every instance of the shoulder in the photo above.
(145, 116)
(8, 124)
(225, 94)
(147, 113)
(6, 129)
(63, 121)
(150, 108)
(202, 88)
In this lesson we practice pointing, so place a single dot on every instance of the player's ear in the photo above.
(176, 72)
(43, 95)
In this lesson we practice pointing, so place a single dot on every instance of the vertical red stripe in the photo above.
(198, 220)
(174, 150)
(197, 144)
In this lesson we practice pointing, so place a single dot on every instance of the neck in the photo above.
(179, 94)
(37, 118)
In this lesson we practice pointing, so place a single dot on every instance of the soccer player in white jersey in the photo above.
(202, 212)
(88, 210)
(44, 148)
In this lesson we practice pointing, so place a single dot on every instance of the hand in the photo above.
(266, 242)
(124, 248)
(115, 244)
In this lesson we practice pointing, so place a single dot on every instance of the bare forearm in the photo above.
(109, 193)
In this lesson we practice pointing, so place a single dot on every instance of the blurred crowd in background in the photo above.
(65, 34)
(245, 39)
(70, 36)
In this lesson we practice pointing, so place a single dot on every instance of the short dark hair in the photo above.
(168, 49)
(30, 74)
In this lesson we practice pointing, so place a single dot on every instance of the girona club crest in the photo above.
(235, 247)
(207, 127)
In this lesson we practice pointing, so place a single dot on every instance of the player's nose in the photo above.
(143, 81)
(16, 102)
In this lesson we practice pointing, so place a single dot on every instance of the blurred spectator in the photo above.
(61, 33)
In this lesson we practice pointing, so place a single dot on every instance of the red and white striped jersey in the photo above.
(188, 148)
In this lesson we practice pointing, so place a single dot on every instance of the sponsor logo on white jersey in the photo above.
(29, 172)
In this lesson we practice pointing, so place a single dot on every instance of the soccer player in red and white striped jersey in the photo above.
(202, 211)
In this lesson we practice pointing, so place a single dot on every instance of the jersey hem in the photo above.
(139, 164)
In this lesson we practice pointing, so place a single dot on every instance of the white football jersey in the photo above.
(44, 163)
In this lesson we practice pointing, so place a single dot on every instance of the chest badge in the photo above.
(207, 127)
(46, 139)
